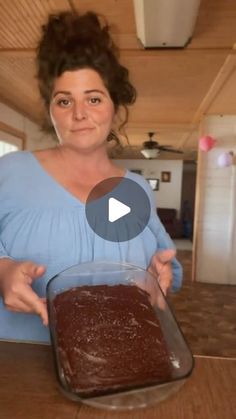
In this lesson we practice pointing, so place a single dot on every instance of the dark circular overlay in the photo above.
(118, 209)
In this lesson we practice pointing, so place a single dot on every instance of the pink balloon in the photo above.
(225, 159)
(206, 143)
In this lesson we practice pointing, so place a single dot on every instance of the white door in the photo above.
(232, 256)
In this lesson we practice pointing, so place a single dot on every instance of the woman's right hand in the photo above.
(16, 279)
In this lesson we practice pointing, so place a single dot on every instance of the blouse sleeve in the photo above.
(5, 169)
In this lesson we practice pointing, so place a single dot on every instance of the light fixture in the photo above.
(150, 153)
(165, 23)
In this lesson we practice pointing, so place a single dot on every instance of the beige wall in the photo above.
(216, 206)
(169, 194)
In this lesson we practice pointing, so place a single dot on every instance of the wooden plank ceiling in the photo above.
(175, 87)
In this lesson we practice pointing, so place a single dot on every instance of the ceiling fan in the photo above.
(151, 148)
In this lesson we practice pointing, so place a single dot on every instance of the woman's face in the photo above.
(81, 109)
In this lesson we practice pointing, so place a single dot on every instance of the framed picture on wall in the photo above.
(154, 183)
(165, 176)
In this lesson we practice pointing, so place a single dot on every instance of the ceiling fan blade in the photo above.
(171, 150)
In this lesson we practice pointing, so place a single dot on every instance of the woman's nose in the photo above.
(79, 111)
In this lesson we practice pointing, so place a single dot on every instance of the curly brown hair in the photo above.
(70, 42)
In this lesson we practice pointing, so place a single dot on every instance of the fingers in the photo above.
(155, 295)
(38, 305)
(35, 304)
(166, 255)
(39, 271)
(18, 293)
(161, 267)
(44, 300)
(41, 309)
(30, 303)
(33, 271)
(165, 278)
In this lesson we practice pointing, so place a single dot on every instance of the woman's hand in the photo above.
(15, 285)
(160, 267)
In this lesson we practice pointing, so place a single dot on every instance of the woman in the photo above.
(43, 227)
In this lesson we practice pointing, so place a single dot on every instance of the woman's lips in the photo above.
(82, 129)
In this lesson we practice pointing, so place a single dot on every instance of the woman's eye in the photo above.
(94, 100)
(64, 103)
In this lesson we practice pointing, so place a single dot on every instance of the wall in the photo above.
(215, 212)
(169, 194)
(35, 138)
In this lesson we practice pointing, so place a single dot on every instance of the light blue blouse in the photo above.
(42, 222)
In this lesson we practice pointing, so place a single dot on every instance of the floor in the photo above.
(206, 313)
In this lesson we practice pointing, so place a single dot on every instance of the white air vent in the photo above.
(165, 23)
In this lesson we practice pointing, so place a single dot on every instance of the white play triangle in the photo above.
(116, 209)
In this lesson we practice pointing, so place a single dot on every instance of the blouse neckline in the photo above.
(56, 183)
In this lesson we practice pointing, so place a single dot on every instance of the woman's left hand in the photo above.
(160, 267)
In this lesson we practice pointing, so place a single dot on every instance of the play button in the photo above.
(118, 209)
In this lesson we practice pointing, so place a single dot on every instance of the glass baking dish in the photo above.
(115, 340)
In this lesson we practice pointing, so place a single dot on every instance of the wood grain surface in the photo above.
(29, 390)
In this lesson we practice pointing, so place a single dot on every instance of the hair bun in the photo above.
(68, 30)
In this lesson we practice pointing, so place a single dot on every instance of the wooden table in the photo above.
(29, 390)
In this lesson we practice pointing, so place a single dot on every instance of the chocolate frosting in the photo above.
(109, 339)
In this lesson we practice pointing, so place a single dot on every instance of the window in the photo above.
(6, 147)
(11, 139)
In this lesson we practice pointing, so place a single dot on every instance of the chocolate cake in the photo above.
(109, 339)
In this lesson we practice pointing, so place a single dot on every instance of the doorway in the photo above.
(188, 198)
